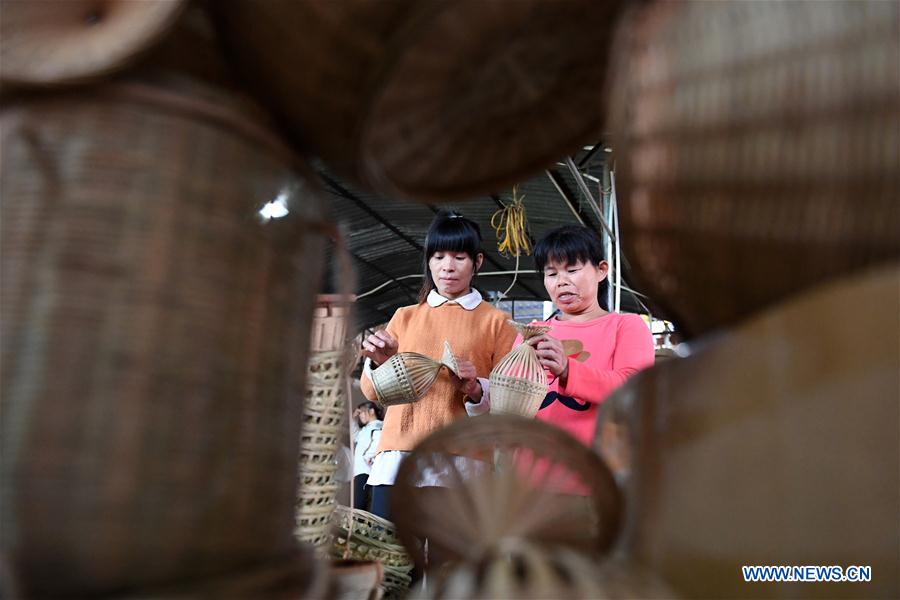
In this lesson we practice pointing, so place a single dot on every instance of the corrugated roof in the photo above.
(385, 236)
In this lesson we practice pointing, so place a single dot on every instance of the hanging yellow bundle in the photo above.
(511, 227)
(519, 382)
(407, 376)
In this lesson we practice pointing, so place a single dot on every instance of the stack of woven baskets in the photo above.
(361, 535)
(323, 416)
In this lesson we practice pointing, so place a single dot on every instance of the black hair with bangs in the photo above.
(449, 232)
(569, 245)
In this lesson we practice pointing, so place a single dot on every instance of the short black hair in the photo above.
(369, 405)
(569, 244)
(449, 232)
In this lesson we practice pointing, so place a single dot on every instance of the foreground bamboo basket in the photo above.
(519, 382)
(791, 449)
(521, 569)
(541, 485)
(147, 318)
(757, 150)
(152, 326)
(429, 101)
(324, 422)
(66, 41)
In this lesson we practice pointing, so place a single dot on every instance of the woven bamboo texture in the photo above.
(299, 576)
(429, 100)
(519, 382)
(370, 537)
(528, 571)
(324, 424)
(407, 376)
(758, 150)
(526, 495)
(63, 41)
(803, 425)
(151, 332)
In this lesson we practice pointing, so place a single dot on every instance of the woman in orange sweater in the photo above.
(449, 309)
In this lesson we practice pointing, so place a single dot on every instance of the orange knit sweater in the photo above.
(480, 335)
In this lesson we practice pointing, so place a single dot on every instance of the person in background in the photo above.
(368, 417)
(449, 308)
(589, 352)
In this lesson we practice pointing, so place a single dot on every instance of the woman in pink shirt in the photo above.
(589, 352)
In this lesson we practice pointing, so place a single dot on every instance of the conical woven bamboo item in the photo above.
(407, 376)
(758, 150)
(429, 100)
(60, 41)
(519, 382)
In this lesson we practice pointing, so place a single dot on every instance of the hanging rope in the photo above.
(511, 227)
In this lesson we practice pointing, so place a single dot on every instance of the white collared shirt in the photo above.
(469, 301)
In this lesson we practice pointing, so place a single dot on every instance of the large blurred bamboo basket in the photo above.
(324, 424)
(429, 100)
(758, 150)
(785, 456)
(55, 42)
(152, 329)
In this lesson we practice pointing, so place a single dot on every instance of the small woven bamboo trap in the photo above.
(360, 535)
(407, 376)
(519, 382)
(324, 409)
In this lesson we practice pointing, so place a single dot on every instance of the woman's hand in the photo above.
(379, 346)
(468, 379)
(550, 352)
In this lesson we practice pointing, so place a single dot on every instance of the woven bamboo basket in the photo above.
(789, 453)
(176, 318)
(396, 582)
(757, 150)
(299, 576)
(151, 330)
(519, 382)
(367, 524)
(544, 487)
(407, 376)
(525, 570)
(361, 535)
(315, 504)
(62, 41)
(323, 419)
(429, 100)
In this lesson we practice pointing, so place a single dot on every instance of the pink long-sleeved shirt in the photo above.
(614, 347)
